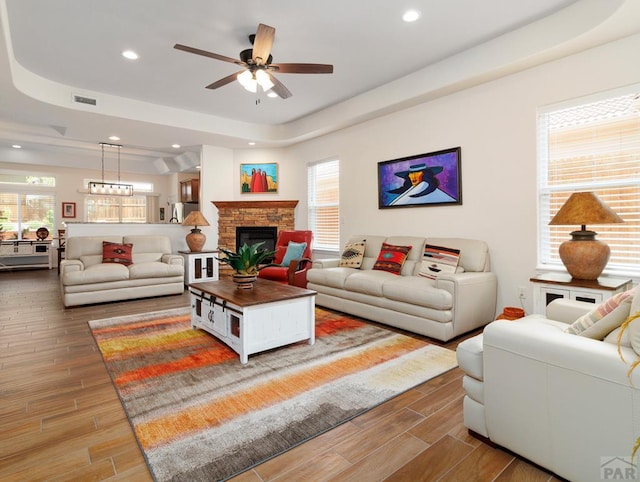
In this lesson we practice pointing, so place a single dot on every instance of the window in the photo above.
(118, 209)
(25, 205)
(592, 145)
(324, 204)
(22, 179)
(21, 214)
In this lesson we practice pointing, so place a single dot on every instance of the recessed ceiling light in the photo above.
(17, 146)
(252, 143)
(176, 146)
(411, 16)
(114, 138)
(272, 95)
(130, 54)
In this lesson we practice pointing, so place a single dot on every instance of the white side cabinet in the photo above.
(25, 254)
(200, 267)
(550, 286)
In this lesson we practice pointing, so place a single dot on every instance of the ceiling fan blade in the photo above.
(263, 43)
(302, 68)
(279, 88)
(207, 54)
(224, 81)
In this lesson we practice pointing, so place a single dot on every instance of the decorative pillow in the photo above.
(632, 329)
(438, 259)
(294, 251)
(604, 318)
(391, 258)
(352, 255)
(117, 253)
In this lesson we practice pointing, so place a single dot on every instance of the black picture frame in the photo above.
(429, 179)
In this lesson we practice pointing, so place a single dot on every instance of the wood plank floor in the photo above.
(60, 417)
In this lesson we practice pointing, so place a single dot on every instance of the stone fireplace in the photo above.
(232, 214)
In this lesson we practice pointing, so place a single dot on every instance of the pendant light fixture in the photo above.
(110, 188)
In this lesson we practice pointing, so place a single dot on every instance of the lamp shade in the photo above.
(195, 239)
(195, 218)
(585, 208)
(583, 255)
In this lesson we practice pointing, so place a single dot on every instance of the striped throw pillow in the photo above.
(604, 318)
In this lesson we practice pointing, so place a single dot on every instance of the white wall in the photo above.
(217, 180)
(495, 125)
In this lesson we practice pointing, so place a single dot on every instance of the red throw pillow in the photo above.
(117, 253)
(391, 258)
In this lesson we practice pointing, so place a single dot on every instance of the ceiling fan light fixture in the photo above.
(264, 80)
(257, 70)
(248, 81)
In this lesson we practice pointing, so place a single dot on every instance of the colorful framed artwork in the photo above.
(68, 210)
(431, 179)
(259, 178)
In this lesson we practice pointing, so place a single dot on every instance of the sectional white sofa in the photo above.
(85, 278)
(441, 308)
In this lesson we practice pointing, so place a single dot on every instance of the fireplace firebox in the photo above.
(256, 234)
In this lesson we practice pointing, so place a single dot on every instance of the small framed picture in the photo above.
(68, 210)
(259, 178)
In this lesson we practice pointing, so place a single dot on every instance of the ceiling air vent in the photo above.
(81, 99)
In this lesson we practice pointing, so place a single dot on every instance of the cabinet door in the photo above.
(218, 318)
(588, 296)
(195, 190)
(551, 294)
(185, 191)
(190, 190)
(196, 310)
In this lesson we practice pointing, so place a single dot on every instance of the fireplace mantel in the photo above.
(255, 204)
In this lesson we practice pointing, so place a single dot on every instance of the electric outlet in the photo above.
(522, 292)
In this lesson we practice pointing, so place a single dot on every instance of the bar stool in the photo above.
(61, 245)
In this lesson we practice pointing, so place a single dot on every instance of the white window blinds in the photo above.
(22, 213)
(323, 189)
(592, 146)
(116, 209)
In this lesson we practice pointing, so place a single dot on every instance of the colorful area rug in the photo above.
(198, 414)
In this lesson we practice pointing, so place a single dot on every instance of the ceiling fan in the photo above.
(257, 65)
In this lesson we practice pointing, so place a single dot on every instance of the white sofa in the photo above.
(560, 400)
(443, 308)
(85, 279)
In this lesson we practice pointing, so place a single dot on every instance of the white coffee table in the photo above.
(250, 321)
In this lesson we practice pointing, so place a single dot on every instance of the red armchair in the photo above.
(296, 272)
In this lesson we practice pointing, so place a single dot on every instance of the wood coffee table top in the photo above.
(263, 291)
